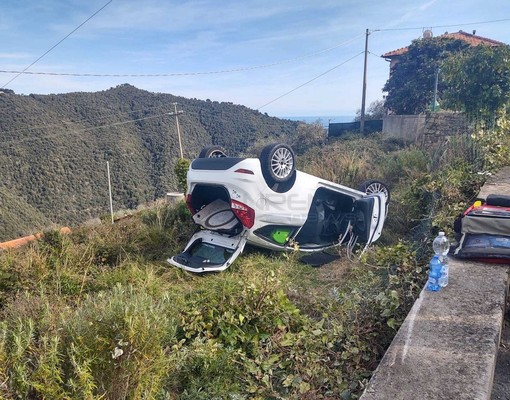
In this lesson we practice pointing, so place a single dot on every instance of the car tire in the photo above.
(374, 186)
(212, 152)
(278, 163)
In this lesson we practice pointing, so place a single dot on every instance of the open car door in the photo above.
(370, 214)
(209, 251)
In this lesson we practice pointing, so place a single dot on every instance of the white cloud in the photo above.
(13, 56)
(157, 36)
(426, 5)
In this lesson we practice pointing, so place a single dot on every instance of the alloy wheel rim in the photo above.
(217, 154)
(375, 188)
(282, 163)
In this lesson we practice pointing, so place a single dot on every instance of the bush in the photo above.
(494, 144)
(113, 344)
(121, 337)
(346, 162)
(181, 170)
(166, 231)
(99, 313)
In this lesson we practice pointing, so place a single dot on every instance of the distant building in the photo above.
(470, 38)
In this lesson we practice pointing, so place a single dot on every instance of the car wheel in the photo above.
(212, 152)
(278, 163)
(373, 186)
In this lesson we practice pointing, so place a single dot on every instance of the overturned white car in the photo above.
(266, 202)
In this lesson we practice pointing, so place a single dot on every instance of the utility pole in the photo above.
(435, 89)
(364, 94)
(109, 188)
(176, 113)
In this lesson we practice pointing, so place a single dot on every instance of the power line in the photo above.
(108, 115)
(118, 75)
(311, 80)
(90, 120)
(224, 71)
(55, 45)
(373, 54)
(17, 140)
(441, 26)
(202, 73)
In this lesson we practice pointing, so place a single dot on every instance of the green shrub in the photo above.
(100, 314)
(123, 334)
(167, 229)
(494, 144)
(404, 165)
(181, 170)
(205, 369)
(404, 276)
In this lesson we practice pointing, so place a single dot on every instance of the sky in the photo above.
(283, 57)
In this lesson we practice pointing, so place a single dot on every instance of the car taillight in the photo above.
(188, 203)
(244, 171)
(245, 214)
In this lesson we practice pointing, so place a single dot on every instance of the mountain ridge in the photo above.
(54, 149)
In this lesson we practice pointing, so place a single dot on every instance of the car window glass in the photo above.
(214, 254)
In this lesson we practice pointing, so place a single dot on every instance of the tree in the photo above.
(411, 85)
(477, 80)
(376, 110)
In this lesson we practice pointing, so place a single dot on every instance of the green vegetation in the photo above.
(181, 171)
(17, 217)
(375, 110)
(54, 148)
(99, 314)
(475, 80)
(411, 84)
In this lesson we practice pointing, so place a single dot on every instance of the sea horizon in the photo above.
(325, 120)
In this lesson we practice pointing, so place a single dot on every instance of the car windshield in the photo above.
(211, 253)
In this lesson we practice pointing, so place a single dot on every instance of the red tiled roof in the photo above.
(395, 53)
(472, 40)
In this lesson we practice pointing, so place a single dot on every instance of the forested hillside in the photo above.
(54, 149)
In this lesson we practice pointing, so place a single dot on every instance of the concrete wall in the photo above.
(426, 128)
(447, 347)
(407, 127)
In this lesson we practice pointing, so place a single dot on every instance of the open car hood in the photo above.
(209, 251)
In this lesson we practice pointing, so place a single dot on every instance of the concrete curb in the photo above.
(447, 346)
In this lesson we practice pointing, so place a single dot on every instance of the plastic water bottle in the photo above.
(441, 246)
(434, 275)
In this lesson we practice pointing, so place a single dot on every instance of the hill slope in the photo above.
(54, 149)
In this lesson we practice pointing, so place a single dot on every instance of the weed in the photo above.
(180, 170)
(123, 333)
(99, 314)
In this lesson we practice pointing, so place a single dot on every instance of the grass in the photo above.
(99, 314)
(75, 326)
